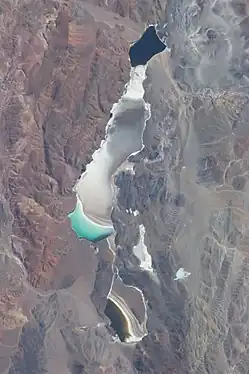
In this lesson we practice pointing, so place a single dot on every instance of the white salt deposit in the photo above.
(181, 274)
(141, 252)
(124, 133)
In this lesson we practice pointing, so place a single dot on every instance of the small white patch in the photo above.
(115, 338)
(100, 324)
(181, 274)
(141, 252)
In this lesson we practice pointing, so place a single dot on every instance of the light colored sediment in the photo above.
(128, 299)
(133, 298)
(124, 131)
(141, 252)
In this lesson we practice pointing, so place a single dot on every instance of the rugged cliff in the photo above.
(62, 67)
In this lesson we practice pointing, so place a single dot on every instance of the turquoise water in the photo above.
(85, 228)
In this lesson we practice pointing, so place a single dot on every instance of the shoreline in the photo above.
(133, 95)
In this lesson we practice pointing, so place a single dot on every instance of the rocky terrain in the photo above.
(61, 70)
(190, 188)
(62, 67)
(58, 82)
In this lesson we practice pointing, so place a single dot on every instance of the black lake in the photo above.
(146, 47)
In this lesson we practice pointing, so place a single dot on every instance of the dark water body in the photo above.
(118, 320)
(146, 47)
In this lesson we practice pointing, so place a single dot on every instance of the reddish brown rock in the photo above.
(61, 75)
(61, 70)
